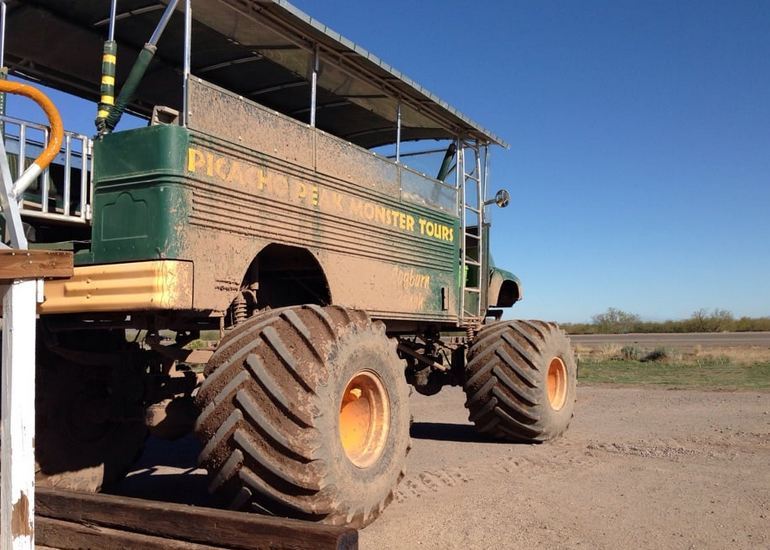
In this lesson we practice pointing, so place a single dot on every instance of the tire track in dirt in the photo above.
(537, 459)
(427, 482)
(682, 449)
(529, 459)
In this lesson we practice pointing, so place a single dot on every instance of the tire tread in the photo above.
(505, 379)
(260, 413)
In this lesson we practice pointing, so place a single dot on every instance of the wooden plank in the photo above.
(35, 264)
(208, 526)
(17, 455)
(65, 535)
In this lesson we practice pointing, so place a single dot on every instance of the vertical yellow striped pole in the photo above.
(107, 100)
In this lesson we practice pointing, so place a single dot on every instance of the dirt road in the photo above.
(685, 340)
(639, 468)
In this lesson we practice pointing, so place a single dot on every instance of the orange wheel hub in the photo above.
(364, 418)
(556, 383)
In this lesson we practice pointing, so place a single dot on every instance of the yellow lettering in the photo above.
(261, 177)
(411, 278)
(301, 192)
(235, 174)
(369, 211)
(422, 226)
(195, 160)
(209, 164)
(379, 214)
(409, 223)
(219, 167)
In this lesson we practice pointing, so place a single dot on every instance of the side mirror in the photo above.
(502, 199)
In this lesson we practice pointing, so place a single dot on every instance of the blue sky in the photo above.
(640, 140)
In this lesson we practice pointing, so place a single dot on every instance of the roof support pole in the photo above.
(2, 34)
(485, 173)
(314, 85)
(187, 57)
(3, 70)
(113, 15)
(398, 132)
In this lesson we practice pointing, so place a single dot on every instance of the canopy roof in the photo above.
(260, 49)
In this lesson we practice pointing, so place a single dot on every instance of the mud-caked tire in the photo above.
(305, 414)
(520, 381)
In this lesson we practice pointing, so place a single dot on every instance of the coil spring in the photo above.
(240, 310)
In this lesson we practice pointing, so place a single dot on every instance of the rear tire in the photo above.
(305, 414)
(520, 381)
(89, 423)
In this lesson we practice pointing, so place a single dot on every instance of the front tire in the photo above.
(520, 381)
(305, 414)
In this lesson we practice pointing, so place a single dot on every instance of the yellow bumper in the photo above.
(136, 286)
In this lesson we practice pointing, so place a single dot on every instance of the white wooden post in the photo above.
(17, 461)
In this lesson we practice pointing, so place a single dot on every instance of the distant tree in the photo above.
(615, 321)
(717, 320)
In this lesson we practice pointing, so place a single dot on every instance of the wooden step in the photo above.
(69, 520)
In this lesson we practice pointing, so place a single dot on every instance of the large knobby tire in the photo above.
(89, 423)
(305, 414)
(521, 381)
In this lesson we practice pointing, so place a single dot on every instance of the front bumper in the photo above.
(124, 287)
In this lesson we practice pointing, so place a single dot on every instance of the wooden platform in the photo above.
(35, 264)
(69, 520)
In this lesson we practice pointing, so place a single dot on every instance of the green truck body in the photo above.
(385, 238)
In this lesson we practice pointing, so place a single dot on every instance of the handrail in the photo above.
(57, 132)
(37, 205)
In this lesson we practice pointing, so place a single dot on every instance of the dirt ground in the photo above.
(639, 468)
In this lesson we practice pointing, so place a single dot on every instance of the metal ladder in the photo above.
(471, 182)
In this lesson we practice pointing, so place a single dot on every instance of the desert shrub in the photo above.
(630, 353)
(658, 354)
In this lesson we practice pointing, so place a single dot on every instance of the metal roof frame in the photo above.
(260, 49)
(389, 77)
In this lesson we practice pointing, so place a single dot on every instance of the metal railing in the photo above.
(63, 192)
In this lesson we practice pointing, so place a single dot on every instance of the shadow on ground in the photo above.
(167, 471)
(442, 431)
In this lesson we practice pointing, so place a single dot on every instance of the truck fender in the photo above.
(504, 288)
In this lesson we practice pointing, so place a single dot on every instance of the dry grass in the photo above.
(723, 367)
(739, 355)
